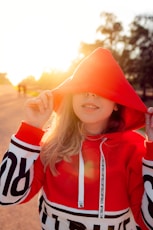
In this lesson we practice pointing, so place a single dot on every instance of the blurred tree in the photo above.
(110, 34)
(86, 49)
(27, 85)
(46, 80)
(4, 79)
(111, 31)
(50, 80)
(139, 51)
(30, 80)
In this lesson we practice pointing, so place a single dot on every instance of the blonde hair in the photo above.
(64, 137)
(66, 134)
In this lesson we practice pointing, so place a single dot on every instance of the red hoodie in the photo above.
(102, 187)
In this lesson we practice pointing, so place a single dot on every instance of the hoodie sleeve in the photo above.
(147, 202)
(18, 166)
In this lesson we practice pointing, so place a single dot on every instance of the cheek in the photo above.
(108, 113)
(107, 108)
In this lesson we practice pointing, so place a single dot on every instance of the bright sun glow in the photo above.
(33, 49)
(46, 34)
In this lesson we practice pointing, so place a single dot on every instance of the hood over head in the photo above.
(99, 73)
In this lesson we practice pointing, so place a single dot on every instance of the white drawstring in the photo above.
(81, 181)
(102, 181)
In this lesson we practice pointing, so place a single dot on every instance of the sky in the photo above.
(38, 35)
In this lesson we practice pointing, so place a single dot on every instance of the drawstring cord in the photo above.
(102, 181)
(81, 181)
(102, 185)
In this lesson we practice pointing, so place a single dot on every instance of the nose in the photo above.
(89, 94)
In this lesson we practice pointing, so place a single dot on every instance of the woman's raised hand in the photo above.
(39, 109)
(149, 124)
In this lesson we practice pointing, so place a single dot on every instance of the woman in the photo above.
(88, 165)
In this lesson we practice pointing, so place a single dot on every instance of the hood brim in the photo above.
(99, 73)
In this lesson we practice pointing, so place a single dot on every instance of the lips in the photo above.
(90, 106)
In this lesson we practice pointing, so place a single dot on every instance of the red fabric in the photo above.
(123, 153)
(29, 134)
(100, 73)
(149, 146)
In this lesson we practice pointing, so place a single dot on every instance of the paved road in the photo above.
(22, 217)
(11, 114)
